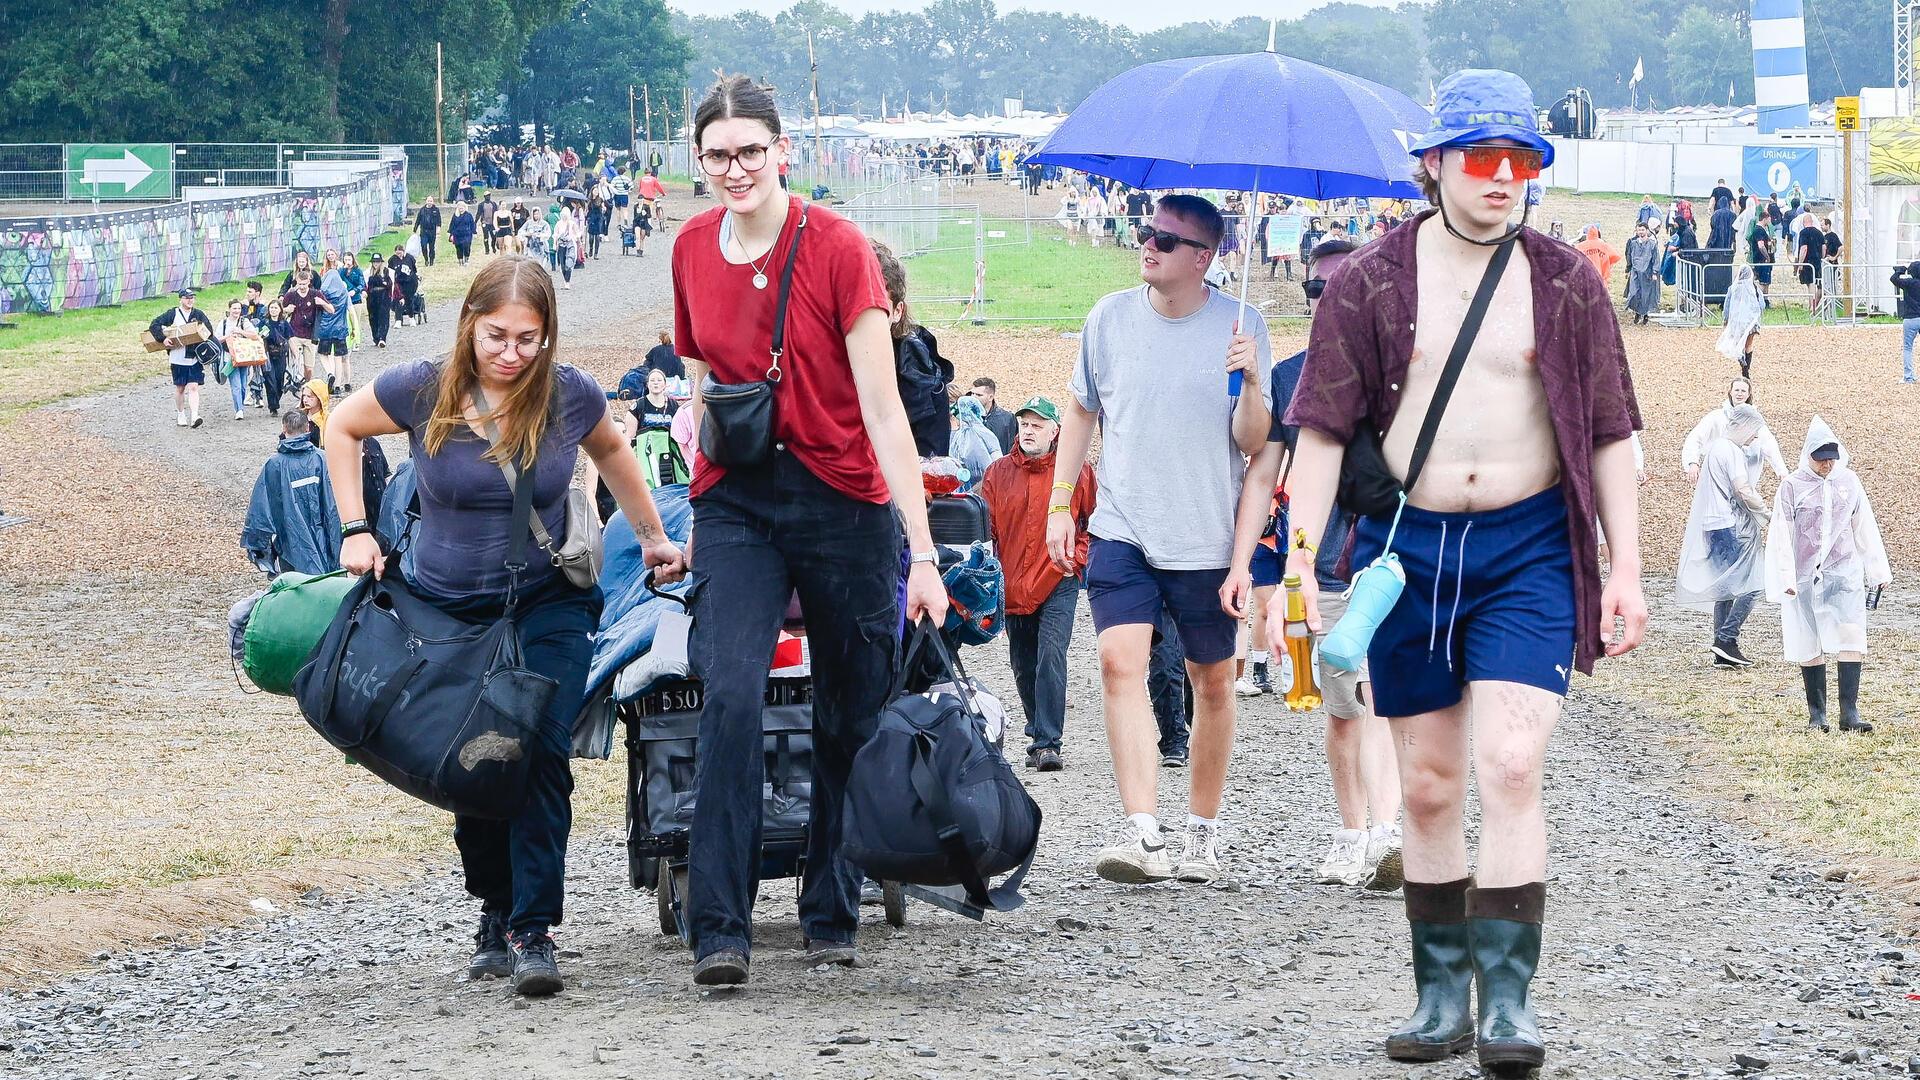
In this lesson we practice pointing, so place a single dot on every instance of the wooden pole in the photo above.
(646, 92)
(439, 112)
(633, 138)
(814, 67)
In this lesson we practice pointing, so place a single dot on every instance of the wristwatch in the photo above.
(930, 557)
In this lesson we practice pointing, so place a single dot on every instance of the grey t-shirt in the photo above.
(1169, 472)
(460, 544)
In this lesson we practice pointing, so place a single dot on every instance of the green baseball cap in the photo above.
(1040, 407)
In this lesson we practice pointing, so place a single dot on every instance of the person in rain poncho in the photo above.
(972, 444)
(1643, 273)
(1765, 450)
(1824, 555)
(1598, 252)
(1744, 307)
(1722, 556)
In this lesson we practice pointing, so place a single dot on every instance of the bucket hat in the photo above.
(1477, 104)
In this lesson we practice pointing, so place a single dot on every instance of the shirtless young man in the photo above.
(1503, 594)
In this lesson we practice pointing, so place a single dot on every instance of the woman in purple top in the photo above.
(546, 413)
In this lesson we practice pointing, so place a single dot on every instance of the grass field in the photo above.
(46, 358)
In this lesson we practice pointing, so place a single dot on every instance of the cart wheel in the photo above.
(894, 902)
(670, 887)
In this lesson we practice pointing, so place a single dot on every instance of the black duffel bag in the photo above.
(932, 802)
(436, 706)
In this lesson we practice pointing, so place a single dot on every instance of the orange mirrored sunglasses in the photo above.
(1482, 160)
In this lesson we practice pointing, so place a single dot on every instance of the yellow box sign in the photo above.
(1846, 113)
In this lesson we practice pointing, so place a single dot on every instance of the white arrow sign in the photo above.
(129, 172)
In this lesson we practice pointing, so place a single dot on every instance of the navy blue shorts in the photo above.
(188, 374)
(333, 346)
(1123, 589)
(1267, 567)
(1489, 598)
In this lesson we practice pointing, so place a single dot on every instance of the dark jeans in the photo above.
(426, 247)
(463, 249)
(517, 868)
(1037, 644)
(1168, 687)
(1723, 551)
(274, 375)
(759, 536)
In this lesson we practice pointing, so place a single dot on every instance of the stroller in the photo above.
(628, 245)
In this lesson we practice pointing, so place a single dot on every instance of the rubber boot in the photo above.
(1442, 1022)
(1850, 699)
(1504, 925)
(1815, 678)
(1746, 365)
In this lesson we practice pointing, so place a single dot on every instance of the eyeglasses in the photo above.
(1314, 287)
(1482, 160)
(494, 343)
(1163, 241)
(717, 162)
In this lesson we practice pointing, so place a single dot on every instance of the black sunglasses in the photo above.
(1314, 287)
(1163, 241)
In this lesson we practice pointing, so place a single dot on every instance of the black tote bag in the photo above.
(436, 706)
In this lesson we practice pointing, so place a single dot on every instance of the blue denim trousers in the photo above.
(1037, 647)
(518, 868)
(1167, 686)
(759, 536)
(1909, 329)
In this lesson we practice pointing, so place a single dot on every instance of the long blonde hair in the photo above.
(524, 413)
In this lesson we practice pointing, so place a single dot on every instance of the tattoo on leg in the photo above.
(1516, 769)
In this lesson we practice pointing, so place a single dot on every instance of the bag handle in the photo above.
(933, 795)
(512, 473)
(780, 306)
(1456, 361)
(926, 635)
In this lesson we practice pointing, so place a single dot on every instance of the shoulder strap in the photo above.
(1457, 360)
(512, 473)
(786, 287)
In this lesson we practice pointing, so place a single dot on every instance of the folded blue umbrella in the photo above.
(1253, 122)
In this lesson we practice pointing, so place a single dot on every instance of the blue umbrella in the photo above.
(1253, 122)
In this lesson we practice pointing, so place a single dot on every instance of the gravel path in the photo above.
(1675, 942)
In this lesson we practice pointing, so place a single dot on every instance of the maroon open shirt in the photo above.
(1363, 335)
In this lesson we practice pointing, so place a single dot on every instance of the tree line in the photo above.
(363, 71)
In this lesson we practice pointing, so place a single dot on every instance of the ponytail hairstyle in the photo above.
(524, 413)
(736, 97)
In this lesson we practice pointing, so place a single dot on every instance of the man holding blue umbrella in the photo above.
(1177, 384)
(1503, 594)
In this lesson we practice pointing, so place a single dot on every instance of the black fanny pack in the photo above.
(736, 429)
(1367, 486)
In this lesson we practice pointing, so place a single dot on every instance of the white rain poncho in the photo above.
(1744, 306)
(1763, 451)
(1824, 545)
(1722, 556)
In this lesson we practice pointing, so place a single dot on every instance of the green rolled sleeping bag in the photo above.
(287, 625)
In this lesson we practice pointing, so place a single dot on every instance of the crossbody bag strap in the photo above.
(1457, 360)
(779, 346)
(511, 472)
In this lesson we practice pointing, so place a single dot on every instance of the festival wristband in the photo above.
(349, 528)
(1062, 485)
(1056, 508)
(1300, 542)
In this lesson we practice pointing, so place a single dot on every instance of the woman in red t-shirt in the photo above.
(823, 518)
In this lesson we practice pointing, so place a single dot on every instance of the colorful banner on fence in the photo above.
(90, 260)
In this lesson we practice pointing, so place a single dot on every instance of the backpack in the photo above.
(661, 459)
(931, 801)
(976, 596)
(923, 375)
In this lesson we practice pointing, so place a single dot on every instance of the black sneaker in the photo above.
(1050, 761)
(492, 957)
(727, 967)
(1729, 651)
(1262, 678)
(1173, 761)
(842, 953)
(534, 972)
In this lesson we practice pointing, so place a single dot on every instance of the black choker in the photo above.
(1496, 241)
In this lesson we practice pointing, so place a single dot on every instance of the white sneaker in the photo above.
(1199, 861)
(1386, 871)
(180, 418)
(1245, 686)
(239, 414)
(1134, 857)
(1346, 861)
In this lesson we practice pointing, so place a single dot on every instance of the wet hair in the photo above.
(895, 278)
(294, 422)
(736, 97)
(1327, 249)
(1199, 212)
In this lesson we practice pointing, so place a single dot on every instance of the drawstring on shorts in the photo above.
(1459, 580)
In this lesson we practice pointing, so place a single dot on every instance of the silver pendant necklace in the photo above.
(759, 272)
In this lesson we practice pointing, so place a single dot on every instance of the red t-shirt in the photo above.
(721, 320)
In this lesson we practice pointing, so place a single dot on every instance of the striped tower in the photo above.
(1779, 64)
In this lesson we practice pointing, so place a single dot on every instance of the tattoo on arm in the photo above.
(649, 534)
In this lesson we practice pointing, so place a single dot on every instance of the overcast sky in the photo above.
(1138, 14)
